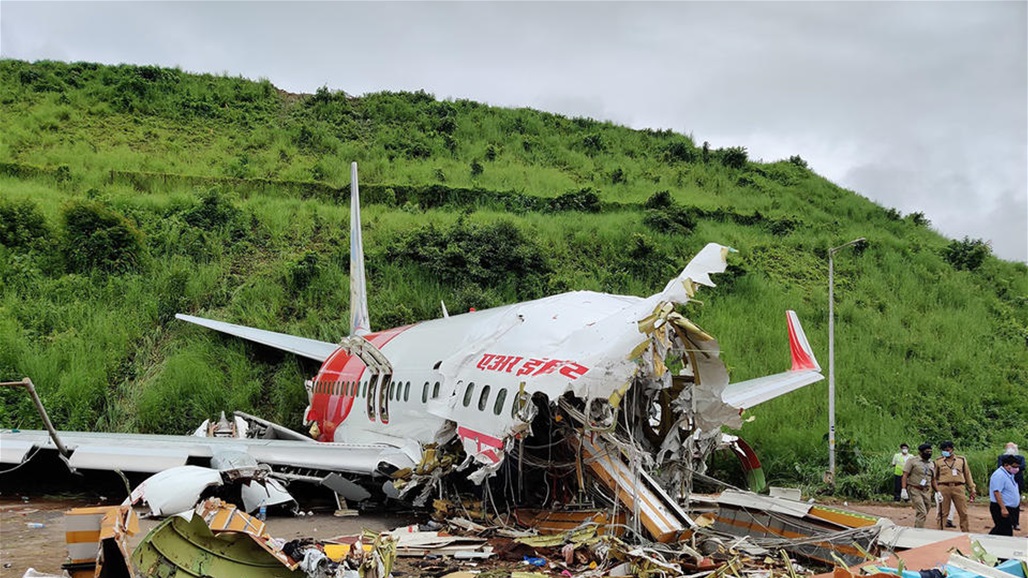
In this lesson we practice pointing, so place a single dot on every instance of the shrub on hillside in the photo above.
(733, 157)
(22, 224)
(679, 151)
(968, 254)
(646, 262)
(302, 272)
(593, 144)
(214, 211)
(97, 238)
(671, 221)
(489, 255)
(659, 200)
(782, 227)
(584, 200)
(919, 219)
(411, 146)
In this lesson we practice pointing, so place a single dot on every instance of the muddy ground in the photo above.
(23, 546)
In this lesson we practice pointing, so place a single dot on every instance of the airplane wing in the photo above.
(309, 348)
(149, 453)
(805, 370)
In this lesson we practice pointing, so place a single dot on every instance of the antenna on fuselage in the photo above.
(360, 323)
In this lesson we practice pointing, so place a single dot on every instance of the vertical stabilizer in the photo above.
(360, 324)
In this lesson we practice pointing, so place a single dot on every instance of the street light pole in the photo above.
(831, 357)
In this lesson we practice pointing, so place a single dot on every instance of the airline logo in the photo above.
(531, 366)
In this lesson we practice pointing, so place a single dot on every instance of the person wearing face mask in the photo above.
(1011, 450)
(1003, 496)
(919, 481)
(953, 479)
(898, 459)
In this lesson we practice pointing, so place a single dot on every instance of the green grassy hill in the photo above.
(128, 194)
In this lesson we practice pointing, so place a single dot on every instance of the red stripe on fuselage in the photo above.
(331, 410)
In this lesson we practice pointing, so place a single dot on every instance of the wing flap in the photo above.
(309, 348)
(127, 459)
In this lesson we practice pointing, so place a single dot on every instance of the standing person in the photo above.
(953, 478)
(898, 459)
(1002, 493)
(1011, 450)
(919, 482)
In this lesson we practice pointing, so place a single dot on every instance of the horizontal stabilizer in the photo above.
(805, 371)
(747, 394)
(309, 348)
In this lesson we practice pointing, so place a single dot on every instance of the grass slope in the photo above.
(128, 194)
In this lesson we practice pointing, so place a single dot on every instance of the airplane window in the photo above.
(501, 396)
(424, 393)
(406, 392)
(435, 390)
(468, 393)
(392, 387)
(483, 399)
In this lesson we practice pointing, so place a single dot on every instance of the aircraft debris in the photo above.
(96, 539)
(180, 488)
(218, 540)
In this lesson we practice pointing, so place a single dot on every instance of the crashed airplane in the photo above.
(526, 395)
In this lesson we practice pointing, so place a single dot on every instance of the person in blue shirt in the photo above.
(1004, 499)
(1011, 450)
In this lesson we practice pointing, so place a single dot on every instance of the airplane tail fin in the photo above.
(802, 355)
(360, 323)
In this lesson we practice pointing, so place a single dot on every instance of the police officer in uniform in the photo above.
(953, 478)
(919, 483)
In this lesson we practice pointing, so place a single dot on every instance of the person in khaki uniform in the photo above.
(919, 483)
(953, 479)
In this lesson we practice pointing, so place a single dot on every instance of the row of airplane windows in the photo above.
(398, 390)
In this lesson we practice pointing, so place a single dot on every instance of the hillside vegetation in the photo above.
(131, 193)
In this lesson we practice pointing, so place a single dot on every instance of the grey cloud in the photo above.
(917, 105)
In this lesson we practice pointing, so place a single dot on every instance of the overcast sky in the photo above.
(920, 106)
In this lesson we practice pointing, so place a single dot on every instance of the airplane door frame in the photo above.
(370, 395)
(384, 382)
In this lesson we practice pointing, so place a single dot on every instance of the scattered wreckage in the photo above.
(781, 538)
